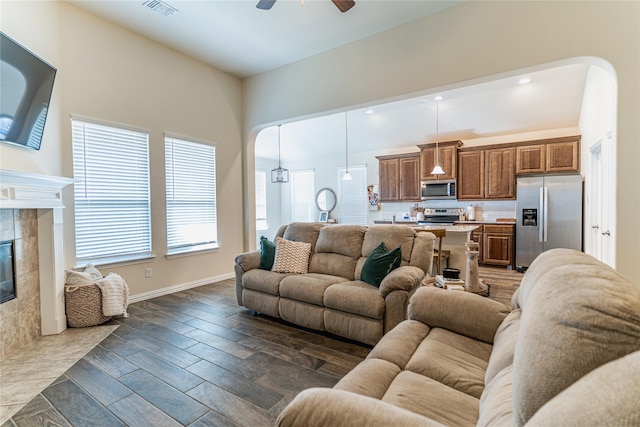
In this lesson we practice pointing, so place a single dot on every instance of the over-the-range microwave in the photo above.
(439, 189)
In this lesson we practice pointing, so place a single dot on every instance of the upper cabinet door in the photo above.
(563, 156)
(447, 155)
(409, 179)
(389, 176)
(471, 175)
(500, 177)
(531, 158)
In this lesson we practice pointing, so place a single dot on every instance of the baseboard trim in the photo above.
(177, 288)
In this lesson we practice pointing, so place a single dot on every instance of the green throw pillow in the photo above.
(379, 263)
(267, 253)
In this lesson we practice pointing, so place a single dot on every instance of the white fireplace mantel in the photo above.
(24, 190)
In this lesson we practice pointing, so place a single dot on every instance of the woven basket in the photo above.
(83, 305)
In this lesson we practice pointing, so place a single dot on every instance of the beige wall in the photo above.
(473, 42)
(108, 73)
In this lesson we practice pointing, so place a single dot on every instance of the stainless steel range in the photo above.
(440, 216)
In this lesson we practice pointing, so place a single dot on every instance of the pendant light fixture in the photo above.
(279, 175)
(347, 176)
(437, 169)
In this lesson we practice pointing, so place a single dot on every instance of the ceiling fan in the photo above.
(343, 5)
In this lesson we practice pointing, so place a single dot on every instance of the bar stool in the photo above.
(440, 255)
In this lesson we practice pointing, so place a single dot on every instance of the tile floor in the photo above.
(28, 371)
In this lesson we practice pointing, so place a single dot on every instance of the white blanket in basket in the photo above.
(115, 295)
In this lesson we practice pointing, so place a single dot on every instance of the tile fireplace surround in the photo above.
(31, 215)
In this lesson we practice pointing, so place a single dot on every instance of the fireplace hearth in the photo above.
(7, 272)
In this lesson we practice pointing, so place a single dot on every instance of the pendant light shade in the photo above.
(437, 169)
(279, 175)
(347, 176)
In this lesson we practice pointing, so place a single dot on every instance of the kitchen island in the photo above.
(451, 238)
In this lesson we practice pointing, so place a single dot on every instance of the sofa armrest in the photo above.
(461, 312)
(244, 262)
(405, 278)
(336, 408)
(248, 260)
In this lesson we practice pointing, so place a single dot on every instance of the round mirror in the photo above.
(326, 200)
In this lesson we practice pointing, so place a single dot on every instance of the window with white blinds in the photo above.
(111, 192)
(303, 196)
(191, 195)
(261, 201)
(352, 196)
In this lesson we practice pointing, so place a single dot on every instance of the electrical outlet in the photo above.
(147, 272)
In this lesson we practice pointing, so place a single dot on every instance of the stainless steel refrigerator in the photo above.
(548, 215)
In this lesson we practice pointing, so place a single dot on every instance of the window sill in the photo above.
(193, 250)
(118, 262)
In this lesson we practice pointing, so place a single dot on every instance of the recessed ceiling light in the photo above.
(524, 81)
(369, 111)
(438, 98)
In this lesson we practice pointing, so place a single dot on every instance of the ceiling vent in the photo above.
(160, 7)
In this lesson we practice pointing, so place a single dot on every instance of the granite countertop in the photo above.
(448, 228)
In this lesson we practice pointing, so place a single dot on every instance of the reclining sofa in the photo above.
(331, 297)
(566, 354)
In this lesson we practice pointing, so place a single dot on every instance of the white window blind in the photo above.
(261, 201)
(352, 196)
(191, 195)
(302, 196)
(111, 192)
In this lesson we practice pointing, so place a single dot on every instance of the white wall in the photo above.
(597, 126)
(112, 74)
(460, 46)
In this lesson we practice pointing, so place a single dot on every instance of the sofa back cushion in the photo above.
(578, 315)
(303, 232)
(392, 236)
(337, 250)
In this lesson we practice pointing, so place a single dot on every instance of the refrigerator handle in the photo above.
(541, 217)
(546, 212)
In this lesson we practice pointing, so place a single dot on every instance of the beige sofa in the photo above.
(331, 297)
(567, 354)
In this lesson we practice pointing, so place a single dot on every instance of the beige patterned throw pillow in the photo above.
(291, 257)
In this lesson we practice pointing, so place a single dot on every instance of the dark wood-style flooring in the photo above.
(195, 358)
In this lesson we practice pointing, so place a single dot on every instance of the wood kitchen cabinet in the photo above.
(548, 156)
(447, 155)
(500, 178)
(486, 174)
(495, 244)
(399, 177)
(470, 175)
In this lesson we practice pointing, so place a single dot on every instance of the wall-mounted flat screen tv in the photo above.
(26, 82)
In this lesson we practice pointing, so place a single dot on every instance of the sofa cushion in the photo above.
(267, 253)
(452, 359)
(370, 378)
(308, 287)
(496, 403)
(579, 315)
(333, 265)
(303, 232)
(355, 297)
(379, 263)
(504, 345)
(607, 396)
(400, 343)
(291, 257)
(392, 236)
(341, 239)
(263, 281)
(432, 399)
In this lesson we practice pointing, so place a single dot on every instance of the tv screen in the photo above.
(26, 82)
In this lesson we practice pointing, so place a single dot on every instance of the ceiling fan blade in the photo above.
(265, 4)
(344, 5)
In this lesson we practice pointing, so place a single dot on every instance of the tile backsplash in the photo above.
(20, 317)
